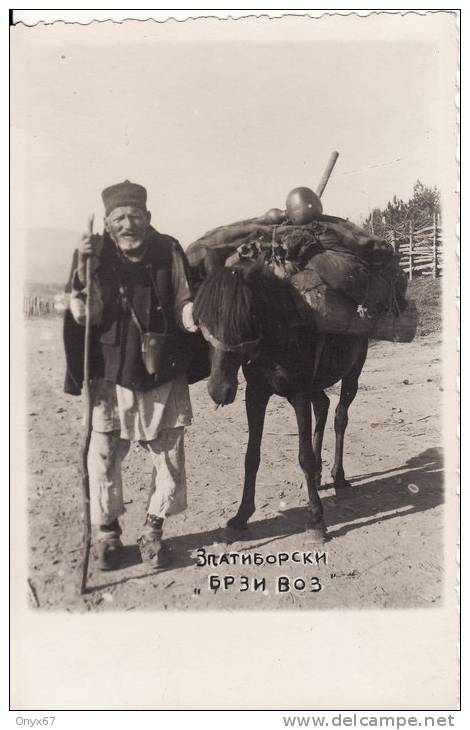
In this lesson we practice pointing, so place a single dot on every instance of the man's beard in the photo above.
(136, 251)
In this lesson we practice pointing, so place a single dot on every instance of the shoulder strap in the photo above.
(128, 304)
(155, 289)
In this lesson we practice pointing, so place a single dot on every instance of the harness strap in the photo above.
(218, 345)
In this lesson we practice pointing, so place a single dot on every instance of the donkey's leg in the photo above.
(307, 461)
(256, 400)
(321, 403)
(349, 386)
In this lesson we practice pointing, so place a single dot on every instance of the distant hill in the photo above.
(46, 291)
(49, 255)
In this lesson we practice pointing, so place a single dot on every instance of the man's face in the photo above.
(127, 226)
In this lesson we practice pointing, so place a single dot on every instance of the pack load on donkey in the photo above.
(345, 280)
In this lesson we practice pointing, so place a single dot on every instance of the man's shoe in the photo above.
(152, 549)
(109, 546)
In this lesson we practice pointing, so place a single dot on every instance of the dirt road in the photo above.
(385, 541)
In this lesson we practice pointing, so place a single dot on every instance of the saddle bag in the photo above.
(331, 312)
(397, 328)
(343, 271)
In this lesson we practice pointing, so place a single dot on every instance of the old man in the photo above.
(140, 301)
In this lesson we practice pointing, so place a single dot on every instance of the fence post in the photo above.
(434, 245)
(410, 274)
(36, 306)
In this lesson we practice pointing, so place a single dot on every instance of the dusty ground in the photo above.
(385, 541)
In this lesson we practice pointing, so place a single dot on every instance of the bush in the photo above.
(426, 292)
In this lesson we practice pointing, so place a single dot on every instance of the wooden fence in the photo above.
(37, 306)
(420, 249)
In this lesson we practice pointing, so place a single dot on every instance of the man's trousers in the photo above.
(167, 488)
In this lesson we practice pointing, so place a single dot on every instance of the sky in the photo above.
(220, 131)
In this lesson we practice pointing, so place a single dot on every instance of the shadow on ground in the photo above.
(375, 497)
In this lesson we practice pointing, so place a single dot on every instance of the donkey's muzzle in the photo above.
(222, 395)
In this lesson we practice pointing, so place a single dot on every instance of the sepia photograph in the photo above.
(234, 254)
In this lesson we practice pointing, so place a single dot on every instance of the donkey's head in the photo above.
(227, 311)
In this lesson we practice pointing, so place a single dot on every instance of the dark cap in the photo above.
(122, 194)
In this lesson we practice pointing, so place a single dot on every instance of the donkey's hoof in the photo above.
(343, 489)
(317, 534)
(237, 523)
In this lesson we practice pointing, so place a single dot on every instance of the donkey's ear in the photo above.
(254, 269)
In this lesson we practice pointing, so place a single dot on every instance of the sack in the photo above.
(165, 356)
(330, 311)
(343, 271)
(333, 313)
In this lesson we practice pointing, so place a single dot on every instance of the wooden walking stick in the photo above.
(326, 175)
(87, 425)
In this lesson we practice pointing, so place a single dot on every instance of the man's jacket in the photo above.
(147, 286)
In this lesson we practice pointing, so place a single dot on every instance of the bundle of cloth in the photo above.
(220, 246)
(345, 280)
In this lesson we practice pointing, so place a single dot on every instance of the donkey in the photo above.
(250, 319)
